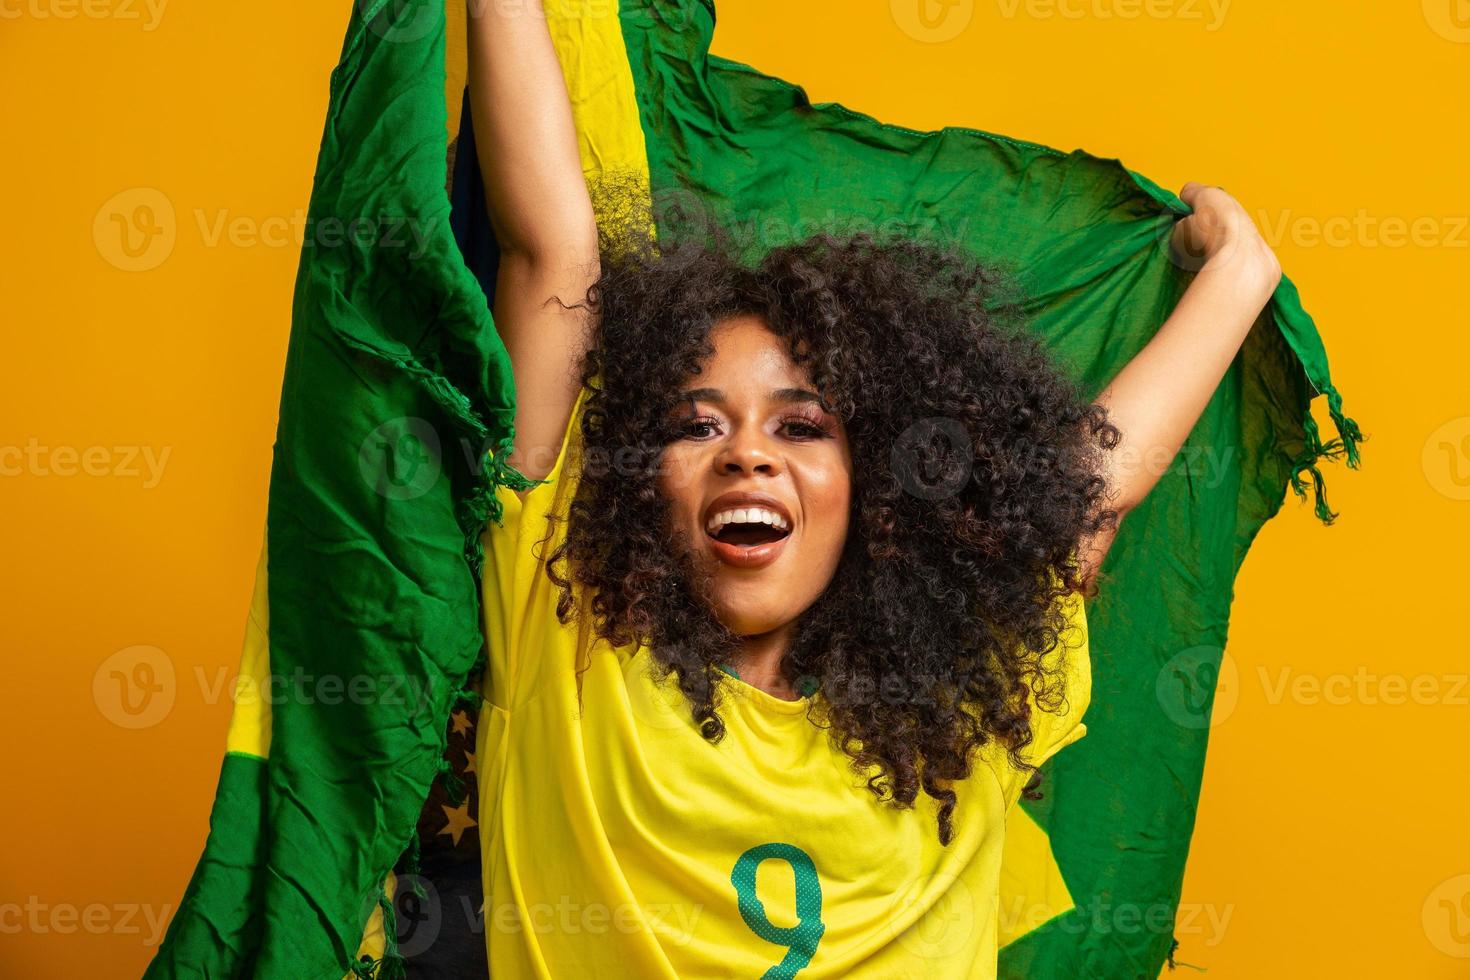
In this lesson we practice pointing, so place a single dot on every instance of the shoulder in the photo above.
(561, 464)
(1058, 707)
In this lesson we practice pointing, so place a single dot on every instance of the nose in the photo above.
(747, 451)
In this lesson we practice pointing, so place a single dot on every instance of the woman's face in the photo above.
(759, 479)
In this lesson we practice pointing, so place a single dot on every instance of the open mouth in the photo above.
(750, 536)
(750, 533)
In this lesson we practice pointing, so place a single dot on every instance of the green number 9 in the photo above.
(801, 939)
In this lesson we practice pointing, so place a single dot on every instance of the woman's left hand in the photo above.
(1220, 237)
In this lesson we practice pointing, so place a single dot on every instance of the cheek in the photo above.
(683, 493)
(827, 500)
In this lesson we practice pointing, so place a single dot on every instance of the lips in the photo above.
(750, 544)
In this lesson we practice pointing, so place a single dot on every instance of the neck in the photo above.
(759, 661)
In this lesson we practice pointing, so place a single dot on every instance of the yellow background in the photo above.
(1331, 836)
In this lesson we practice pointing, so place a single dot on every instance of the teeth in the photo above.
(746, 515)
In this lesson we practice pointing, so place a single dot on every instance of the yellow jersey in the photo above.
(617, 842)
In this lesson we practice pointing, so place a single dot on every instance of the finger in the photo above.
(1190, 239)
(1190, 191)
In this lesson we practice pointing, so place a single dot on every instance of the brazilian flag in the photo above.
(364, 629)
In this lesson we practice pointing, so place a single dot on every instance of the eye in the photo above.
(693, 428)
(805, 427)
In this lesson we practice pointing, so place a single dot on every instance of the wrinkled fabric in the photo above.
(396, 385)
(1087, 241)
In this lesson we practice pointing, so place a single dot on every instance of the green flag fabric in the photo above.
(396, 385)
(1087, 240)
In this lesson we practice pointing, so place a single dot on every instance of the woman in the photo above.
(798, 609)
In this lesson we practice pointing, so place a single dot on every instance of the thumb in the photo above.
(1190, 192)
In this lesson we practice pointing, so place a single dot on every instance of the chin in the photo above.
(744, 624)
(743, 620)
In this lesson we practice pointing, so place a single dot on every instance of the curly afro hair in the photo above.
(978, 470)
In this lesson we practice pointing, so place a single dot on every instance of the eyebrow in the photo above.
(777, 394)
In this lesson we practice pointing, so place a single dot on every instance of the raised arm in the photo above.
(541, 213)
(1159, 395)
